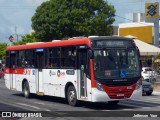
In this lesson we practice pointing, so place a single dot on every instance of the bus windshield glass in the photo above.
(116, 63)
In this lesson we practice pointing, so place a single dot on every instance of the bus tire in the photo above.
(113, 102)
(26, 90)
(72, 96)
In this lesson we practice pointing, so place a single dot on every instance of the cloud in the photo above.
(34, 2)
(16, 13)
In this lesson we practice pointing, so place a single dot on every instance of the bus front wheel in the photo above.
(26, 90)
(72, 96)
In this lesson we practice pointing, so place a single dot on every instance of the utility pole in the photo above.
(15, 33)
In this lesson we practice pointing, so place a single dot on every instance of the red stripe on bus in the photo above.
(14, 71)
(93, 83)
(85, 41)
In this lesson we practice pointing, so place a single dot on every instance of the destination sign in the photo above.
(112, 43)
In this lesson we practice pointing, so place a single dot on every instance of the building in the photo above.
(142, 30)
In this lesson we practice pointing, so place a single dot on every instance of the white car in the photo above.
(148, 74)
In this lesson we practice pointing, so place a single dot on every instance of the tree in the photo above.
(28, 38)
(58, 19)
(3, 47)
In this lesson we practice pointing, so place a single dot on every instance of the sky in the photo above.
(17, 14)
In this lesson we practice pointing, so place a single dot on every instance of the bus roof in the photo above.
(77, 41)
(69, 42)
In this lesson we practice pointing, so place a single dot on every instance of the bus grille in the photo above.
(119, 92)
(121, 83)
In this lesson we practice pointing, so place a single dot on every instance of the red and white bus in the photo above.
(96, 69)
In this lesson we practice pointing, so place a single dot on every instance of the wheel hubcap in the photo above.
(25, 91)
(71, 96)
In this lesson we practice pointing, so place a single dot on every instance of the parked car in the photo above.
(1, 74)
(148, 74)
(147, 87)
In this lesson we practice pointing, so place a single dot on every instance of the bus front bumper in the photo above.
(101, 96)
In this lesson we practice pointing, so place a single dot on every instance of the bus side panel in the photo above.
(7, 80)
(19, 76)
(50, 84)
(55, 81)
(26, 74)
(19, 79)
(69, 76)
(31, 78)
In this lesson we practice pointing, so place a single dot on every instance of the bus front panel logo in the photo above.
(60, 74)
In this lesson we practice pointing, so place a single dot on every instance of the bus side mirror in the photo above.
(91, 54)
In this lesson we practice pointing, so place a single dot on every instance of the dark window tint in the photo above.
(30, 58)
(53, 58)
(68, 57)
(21, 58)
(7, 60)
(26, 58)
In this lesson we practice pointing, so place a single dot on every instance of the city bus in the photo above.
(94, 69)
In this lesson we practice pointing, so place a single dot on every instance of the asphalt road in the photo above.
(56, 108)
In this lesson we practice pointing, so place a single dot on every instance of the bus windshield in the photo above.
(116, 63)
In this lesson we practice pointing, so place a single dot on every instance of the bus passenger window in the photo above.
(68, 57)
(53, 58)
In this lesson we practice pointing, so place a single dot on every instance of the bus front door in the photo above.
(12, 71)
(82, 66)
(39, 74)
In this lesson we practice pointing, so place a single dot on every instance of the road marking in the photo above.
(138, 103)
(47, 110)
(127, 109)
(106, 110)
(28, 105)
(40, 103)
(149, 100)
(128, 104)
(146, 107)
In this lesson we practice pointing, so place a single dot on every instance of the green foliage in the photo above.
(28, 38)
(58, 19)
(3, 47)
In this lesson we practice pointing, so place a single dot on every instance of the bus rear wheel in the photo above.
(26, 90)
(72, 96)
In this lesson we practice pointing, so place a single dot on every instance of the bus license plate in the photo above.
(120, 94)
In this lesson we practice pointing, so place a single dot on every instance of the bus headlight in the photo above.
(138, 84)
(99, 86)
